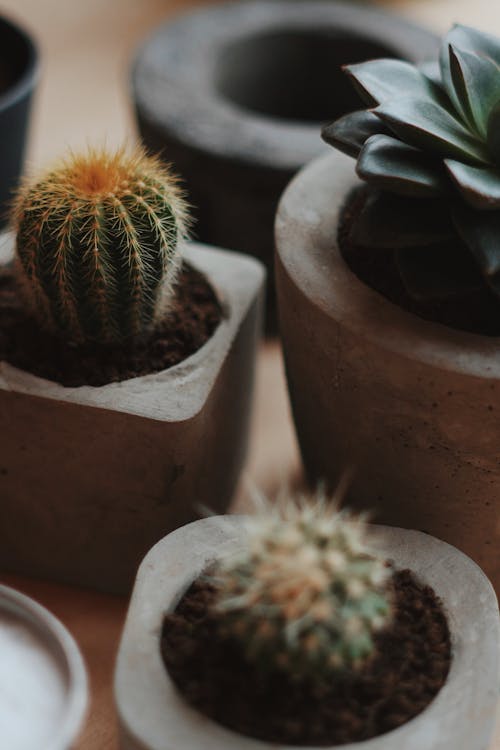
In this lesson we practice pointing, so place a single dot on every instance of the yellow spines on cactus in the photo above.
(98, 244)
(305, 593)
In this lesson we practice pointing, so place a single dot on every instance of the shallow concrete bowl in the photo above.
(61, 670)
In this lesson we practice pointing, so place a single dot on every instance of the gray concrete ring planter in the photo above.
(18, 78)
(234, 95)
(91, 478)
(43, 682)
(153, 715)
(411, 404)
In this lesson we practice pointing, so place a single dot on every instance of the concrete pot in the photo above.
(18, 78)
(153, 715)
(91, 478)
(412, 405)
(43, 682)
(234, 94)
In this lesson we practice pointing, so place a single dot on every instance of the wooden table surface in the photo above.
(83, 97)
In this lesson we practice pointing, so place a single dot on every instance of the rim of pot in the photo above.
(197, 112)
(67, 652)
(23, 82)
(180, 557)
(306, 246)
(236, 300)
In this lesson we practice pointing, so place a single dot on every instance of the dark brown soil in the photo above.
(478, 312)
(195, 315)
(210, 670)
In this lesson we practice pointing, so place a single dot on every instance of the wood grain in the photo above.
(83, 97)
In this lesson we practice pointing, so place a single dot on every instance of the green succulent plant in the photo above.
(306, 594)
(428, 145)
(98, 245)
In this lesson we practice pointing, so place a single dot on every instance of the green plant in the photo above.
(305, 594)
(98, 245)
(429, 147)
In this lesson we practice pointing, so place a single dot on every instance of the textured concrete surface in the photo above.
(153, 715)
(235, 96)
(98, 475)
(411, 405)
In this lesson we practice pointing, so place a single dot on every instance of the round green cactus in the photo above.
(98, 245)
(305, 594)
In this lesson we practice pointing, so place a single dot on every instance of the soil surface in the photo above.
(478, 312)
(194, 316)
(411, 664)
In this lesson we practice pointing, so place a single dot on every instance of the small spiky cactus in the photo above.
(305, 594)
(98, 244)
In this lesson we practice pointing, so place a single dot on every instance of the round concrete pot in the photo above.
(18, 77)
(412, 405)
(91, 478)
(43, 682)
(154, 716)
(235, 94)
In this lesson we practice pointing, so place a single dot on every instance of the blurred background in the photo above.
(87, 47)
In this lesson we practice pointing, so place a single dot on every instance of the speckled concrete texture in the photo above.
(91, 478)
(411, 405)
(235, 95)
(153, 715)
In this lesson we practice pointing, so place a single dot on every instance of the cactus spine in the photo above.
(305, 594)
(98, 245)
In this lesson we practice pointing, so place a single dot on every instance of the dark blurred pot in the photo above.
(18, 77)
(235, 95)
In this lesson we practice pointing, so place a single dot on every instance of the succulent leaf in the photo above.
(428, 126)
(431, 70)
(480, 186)
(465, 38)
(443, 140)
(391, 165)
(381, 81)
(437, 272)
(389, 221)
(476, 80)
(480, 232)
(493, 136)
(349, 133)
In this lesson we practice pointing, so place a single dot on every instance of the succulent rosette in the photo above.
(428, 145)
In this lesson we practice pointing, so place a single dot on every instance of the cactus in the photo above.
(305, 594)
(98, 245)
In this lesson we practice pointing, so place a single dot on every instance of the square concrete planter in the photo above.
(413, 405)
(91, 478)
(153, 715)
